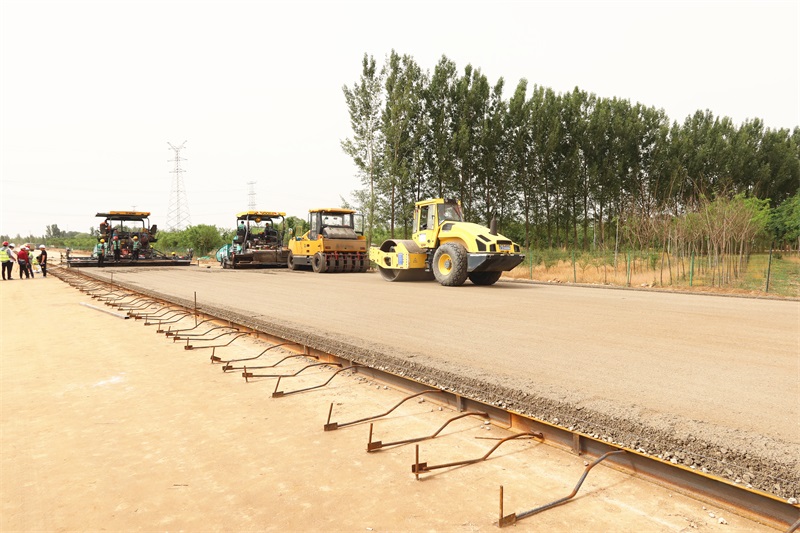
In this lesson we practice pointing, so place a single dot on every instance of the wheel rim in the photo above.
(445, 263)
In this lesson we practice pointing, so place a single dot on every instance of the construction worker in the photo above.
(136, 247)
(22, 261)
(115, 247)
(6, 254)
(33, 264)
(101, 252)
(43, 260)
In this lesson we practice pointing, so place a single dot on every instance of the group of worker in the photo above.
(115, 247)
(24, 258)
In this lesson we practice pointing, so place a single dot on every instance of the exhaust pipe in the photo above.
(493, 225)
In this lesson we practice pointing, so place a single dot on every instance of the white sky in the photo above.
(91, 92)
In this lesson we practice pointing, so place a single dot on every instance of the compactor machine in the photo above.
(258, 242)
(335, 242)
(132, 232)
(446, 248)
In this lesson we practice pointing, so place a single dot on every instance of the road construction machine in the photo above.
(258, 242)
(335, 242)
(446, 248)
(125, 238)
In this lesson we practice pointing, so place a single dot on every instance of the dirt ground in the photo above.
(108, 426)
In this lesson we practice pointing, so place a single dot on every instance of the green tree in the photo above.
(366, 146)
(202, 238)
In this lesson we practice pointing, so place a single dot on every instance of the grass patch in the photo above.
(651, 269)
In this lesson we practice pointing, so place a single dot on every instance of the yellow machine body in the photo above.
(445, 247)
(333, 243)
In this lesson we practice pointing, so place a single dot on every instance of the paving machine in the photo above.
(446, 248)
(127, 228)
(335, 242)
(258, 242)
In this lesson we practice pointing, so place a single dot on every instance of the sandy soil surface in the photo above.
(107, 426)
(707, 381)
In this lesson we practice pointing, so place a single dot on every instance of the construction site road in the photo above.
(710, 382)
(108, 426)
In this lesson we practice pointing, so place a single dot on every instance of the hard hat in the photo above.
(5, 243)
(102, 241)
(115, 237)
(41, 246)
(12, 245)
(135, 238)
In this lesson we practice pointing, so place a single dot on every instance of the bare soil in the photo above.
(707, 381)
(108, 426)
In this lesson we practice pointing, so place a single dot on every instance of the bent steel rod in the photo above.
(196, 336)
(246, 375)
(229, 367)
(114, 301)
(172, 332)
(132, 306)
(418, 468)
(161, 313)
(278, 394)
(218, 360)
(330, 426)
(510, 519)
(147, 302)
(214, 347)
(377, 445)
(176, 316)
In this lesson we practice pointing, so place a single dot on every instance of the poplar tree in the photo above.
(364, 101)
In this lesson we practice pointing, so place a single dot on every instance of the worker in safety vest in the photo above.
(6, 254)
(101, 252)
(33, 263)
(136, 247)
(115, 247)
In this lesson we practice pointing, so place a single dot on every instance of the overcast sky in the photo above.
(92, 92)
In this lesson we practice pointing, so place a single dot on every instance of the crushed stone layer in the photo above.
(707, 382)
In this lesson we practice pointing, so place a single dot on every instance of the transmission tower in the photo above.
(251, 195)
(178, 213)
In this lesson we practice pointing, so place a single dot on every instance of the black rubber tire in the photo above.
(290, 261)
(485, 278)
(450, 264)
(318, 263)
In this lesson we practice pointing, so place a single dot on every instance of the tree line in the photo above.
(570, 170)
(202, 238)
